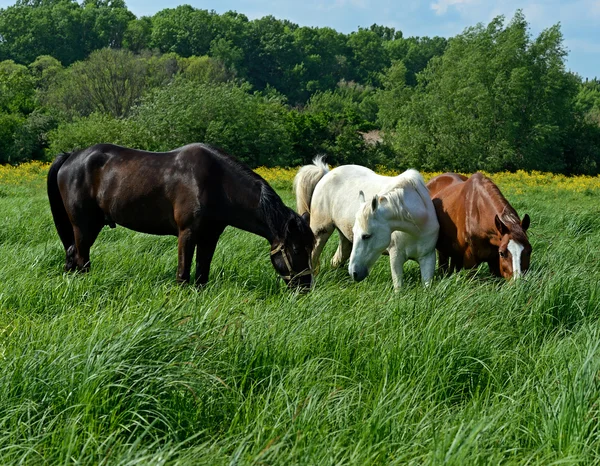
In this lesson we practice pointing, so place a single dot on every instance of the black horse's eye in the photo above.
(366, 236)
(502, 253)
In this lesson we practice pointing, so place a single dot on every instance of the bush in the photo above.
(97, 128)
(9, 125)
(248, 126)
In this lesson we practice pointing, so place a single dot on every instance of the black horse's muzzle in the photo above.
(294, 280)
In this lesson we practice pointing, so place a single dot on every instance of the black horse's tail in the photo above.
(59, 213)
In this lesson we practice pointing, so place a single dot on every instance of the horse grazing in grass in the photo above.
(398, 217)
(477, 224)
(192, 192)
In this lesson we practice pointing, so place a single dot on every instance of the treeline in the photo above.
(274, 93)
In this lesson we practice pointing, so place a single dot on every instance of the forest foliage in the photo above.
(277, 94)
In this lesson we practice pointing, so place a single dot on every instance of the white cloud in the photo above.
(337, 4)
(441, 6)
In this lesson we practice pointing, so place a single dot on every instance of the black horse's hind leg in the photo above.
(84, 238)
(206, 245)
(185, 253)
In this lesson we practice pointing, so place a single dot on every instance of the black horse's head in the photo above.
(291, 254)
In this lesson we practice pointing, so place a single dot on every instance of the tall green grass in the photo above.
(124, 366)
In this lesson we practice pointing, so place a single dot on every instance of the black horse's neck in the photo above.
(268, 217)
(257, 208)
(274, 213)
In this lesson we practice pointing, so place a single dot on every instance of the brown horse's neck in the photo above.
(504, 210)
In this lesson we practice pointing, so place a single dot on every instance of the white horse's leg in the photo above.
(397, 260)
(427, 264)
(322, 234)
(343, 251)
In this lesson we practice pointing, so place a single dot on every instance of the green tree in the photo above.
(324, 63)
(45, 70)
(64, 29)
(496, 99)
(250, 126)
(230, 40)
(587, 101)
(9, 125)
(369, 56)
(205, 69)
(271, 55)
(184, 30)
(138, 35)
(414, 53)
(109, 81)
(17, 88)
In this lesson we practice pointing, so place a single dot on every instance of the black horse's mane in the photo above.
(273, 209)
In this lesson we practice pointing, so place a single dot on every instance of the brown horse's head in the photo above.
(290, 255)
(514, 249)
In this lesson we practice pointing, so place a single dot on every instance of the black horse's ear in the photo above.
(502, 228)
(525, 222)
(293, 227)
(306, 217)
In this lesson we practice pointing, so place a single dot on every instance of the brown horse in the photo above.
(477, 224)
(192, 192)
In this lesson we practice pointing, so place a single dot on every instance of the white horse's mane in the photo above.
(395, 196)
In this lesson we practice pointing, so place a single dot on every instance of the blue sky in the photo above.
(579, 19)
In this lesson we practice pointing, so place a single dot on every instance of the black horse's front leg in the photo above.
(185, 252)
(71, 259)
(206, 245)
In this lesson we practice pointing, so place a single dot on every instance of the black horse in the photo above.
(192, 192)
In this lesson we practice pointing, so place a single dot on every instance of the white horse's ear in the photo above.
(374, 203)
(361, 197)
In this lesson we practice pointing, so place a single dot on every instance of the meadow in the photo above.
(124, 366)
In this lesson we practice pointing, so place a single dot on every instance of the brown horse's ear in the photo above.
(525, 222)
(502, 228)
(306, 217)
(374, 203)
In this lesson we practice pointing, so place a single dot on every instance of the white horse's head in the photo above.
(372, 235)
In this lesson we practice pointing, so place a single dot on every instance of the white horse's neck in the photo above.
(406, 209)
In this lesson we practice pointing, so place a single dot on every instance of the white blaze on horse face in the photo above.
(371, 236)
(516, 250)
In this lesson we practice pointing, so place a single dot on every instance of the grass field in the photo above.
(123, 366)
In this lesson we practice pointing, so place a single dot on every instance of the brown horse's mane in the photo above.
(507, 213)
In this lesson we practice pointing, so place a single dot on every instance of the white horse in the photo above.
(399, 217)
